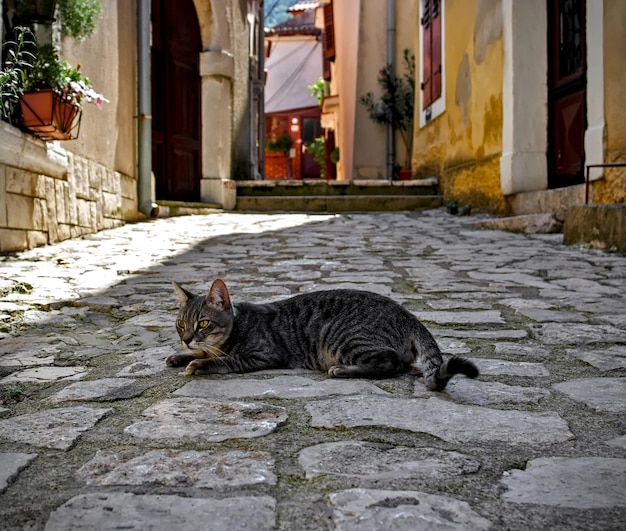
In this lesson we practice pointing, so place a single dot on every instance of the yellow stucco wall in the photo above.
(612, 189)
(463, 145)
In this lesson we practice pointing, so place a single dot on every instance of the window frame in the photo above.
(438, 105)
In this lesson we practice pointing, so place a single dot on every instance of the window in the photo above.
(432, 102)
(329, 39)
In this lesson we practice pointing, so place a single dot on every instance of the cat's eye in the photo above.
(180, 324)
(203, 324)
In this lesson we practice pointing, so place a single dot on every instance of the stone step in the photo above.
(338, 203)
(337, 196)
(317, 187)
(169, 209)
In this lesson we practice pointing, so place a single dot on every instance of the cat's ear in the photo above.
(218, 295)
(182, 294)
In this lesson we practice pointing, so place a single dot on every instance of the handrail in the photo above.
(605, 165)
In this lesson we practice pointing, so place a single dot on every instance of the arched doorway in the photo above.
(176, 112)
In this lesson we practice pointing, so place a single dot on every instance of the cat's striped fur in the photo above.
(345, 333)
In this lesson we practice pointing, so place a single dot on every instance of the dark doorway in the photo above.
(311, 130)
(176, 46)
(567, 117)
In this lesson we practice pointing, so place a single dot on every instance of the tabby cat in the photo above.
(345, 333)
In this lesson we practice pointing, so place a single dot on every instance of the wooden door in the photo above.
(311, 130)
(566, 92)
(176, 146)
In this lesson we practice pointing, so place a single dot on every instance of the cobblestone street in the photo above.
(97, 433)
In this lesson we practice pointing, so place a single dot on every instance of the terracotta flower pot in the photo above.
(405, 174)
(48, 116)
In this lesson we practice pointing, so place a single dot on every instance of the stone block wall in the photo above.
(59, 199)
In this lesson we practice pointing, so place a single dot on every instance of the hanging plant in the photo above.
(79, 17)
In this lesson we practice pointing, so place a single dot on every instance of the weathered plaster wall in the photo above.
(108, 58)
(612, 189)
(361, 44)
(462, 147)
(372, 55)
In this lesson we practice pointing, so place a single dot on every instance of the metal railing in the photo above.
(605, 165)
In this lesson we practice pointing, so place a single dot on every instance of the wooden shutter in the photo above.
(431, 56)
(329, 39)
(329, 33)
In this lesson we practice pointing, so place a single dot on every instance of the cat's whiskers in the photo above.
(215, 352)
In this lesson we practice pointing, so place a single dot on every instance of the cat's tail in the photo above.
(438, 380)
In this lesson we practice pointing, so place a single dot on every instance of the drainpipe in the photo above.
(261, 81)
(144, 119)
(391, 59)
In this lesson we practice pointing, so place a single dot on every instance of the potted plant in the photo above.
(282, 144)
(50, 91)
(396, 105)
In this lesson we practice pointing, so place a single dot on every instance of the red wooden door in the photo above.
(176, 100)
(566, 92)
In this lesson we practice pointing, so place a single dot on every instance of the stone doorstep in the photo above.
(599, 226)
(270, 183)
(545, 223)
(168, 209)
(335, 188)
(346, 203)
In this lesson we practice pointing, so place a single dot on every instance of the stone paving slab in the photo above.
(278, 387)
(371, 461)
(602, 394)
(11, 464)
(578, 334)
(100, 390)
(481, 393)
(57, 428)
(605, 359)
(45, 374)
(162, 513)
(363, 509)
(179, 468)
(180, 419)
(441, 418)
(461, 317)
(525, 369)
(148, 362)
(583, 482)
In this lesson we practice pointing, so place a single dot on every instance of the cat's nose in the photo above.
(187, 339)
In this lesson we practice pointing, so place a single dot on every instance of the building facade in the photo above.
(528, 94)
(51, 191)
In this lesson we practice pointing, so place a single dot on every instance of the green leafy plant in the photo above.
(318, 90)
(20, 58)
(49, 71)
(282, 144)
(79, 17)
(395, 106)
(317, 148)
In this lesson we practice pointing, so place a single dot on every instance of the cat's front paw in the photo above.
(177, 360)
(343, 371)
(195, 367)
